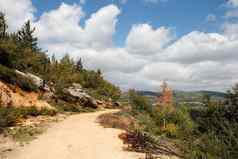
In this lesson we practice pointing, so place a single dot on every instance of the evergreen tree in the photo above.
(3, 26)
(99, 72)
(79, 65)
(232, 96)
(26, 37)
(53, 59)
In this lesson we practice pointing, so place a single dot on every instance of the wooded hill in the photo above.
(20, 51)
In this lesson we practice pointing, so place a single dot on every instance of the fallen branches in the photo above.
(143, 142)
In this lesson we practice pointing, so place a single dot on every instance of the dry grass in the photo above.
(117, 120)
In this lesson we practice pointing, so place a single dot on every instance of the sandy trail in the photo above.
(77, 137)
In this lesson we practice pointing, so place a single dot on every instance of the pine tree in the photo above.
(99, 72)
(26, 37)
(79, 65)
(3, 26)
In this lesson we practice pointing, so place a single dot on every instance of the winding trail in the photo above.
(77, 137)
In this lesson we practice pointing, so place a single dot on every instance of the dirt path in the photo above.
(77, 137)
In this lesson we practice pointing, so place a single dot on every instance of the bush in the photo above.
(117, 120)
(63, 106)
(139, 103)
(218, 126)
(9, 116)
(24, 134)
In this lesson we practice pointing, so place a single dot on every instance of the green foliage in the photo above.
(3, 26)
(209, 132)
(15, 55)
(63, 106)
(26, 37)
(24, 134)
(65, 72)
(139, 103)
(211, 135)
(9, 116)
(219, 126)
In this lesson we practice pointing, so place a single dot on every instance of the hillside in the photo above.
(188, 96)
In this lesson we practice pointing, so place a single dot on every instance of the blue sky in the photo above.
(182, 15)
(139, 43)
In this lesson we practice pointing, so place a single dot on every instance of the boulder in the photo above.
(35, 79)
(39, 82)
(77, 95)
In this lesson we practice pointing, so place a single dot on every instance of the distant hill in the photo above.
(187, 96)
(149, 93)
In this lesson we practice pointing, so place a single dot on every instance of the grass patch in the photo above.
(24, 134)
(118, 120)
(63, 106)
(10, 116)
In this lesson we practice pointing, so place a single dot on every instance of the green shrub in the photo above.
(219, 126)
(24, 134)
(9, 116)
(63, 106)
(139, 103)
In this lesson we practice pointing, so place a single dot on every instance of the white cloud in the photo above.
(198, 46)
(145, 40)
(97, 33)
(17, 12)
(165, 71)
(231, 30)
(60, 25)
(101, 27)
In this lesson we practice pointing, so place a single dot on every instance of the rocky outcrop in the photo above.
(35, 79)
(14, 96)
(77, 95)
(39, 82)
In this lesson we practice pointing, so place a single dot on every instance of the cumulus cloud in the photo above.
(145, 40)
(62, 25)
(100, 27)
(17, 12)
(231, 30)
(198, 46)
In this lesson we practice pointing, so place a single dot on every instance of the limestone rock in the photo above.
(76, 94)
(35, 79)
